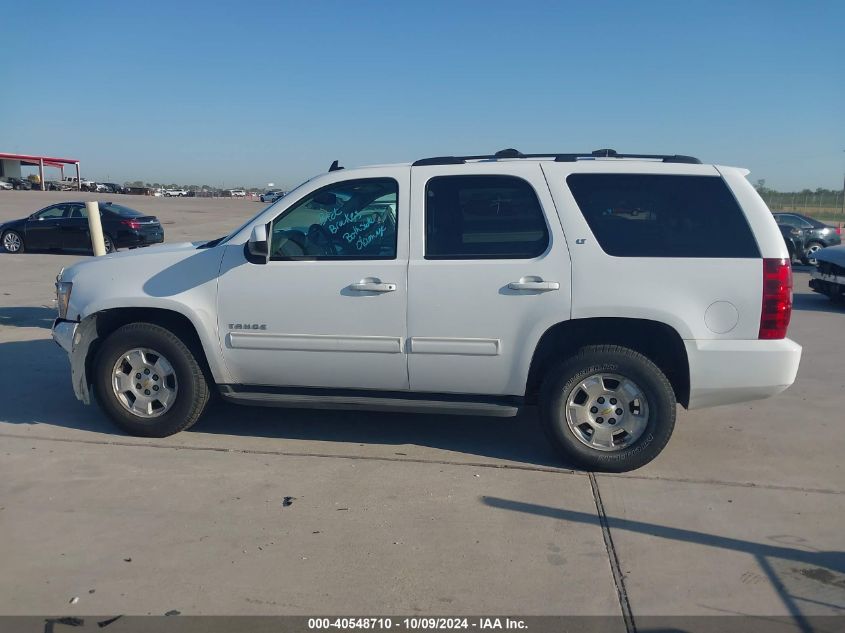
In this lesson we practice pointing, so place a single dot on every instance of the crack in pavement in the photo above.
(445, 462)
(734, 484)
(613, 558)
(249, 451)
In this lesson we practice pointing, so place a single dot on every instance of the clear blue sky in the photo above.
(246, 93)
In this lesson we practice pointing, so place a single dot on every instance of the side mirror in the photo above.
(257, 245)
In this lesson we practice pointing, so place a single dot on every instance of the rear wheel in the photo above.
(13, 242)
(608, 408)
(148, 381)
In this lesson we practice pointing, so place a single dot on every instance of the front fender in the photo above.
(203, 321)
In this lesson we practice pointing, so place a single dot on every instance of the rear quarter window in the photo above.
(650, 215)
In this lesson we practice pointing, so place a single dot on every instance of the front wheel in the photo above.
(810, 253)
(109, 244)
(13, 242)
(608, 408)
(148, 381)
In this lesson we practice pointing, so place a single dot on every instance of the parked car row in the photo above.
(65, 226)
(24, 184)
(70, 184)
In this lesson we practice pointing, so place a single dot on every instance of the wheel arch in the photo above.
(110, 319)
(657, 341)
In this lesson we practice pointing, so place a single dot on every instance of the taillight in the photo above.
(777, 298)
(839, 230)
(132, 224)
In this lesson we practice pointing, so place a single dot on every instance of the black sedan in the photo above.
(817, 235)
(65, 226)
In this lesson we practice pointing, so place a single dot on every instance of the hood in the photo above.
(161, 276)
(156, 248)
(833, 255)
(136, 262)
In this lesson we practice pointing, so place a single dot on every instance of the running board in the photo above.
(367, 400)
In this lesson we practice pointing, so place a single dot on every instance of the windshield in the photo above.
(226, 238)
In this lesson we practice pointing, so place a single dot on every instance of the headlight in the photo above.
(63, 289)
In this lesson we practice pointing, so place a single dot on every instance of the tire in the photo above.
(109, 244)
(650, 418)
(810, 251)
(13, 242)
(185, 379)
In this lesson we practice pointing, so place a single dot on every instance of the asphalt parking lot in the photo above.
(403, 514)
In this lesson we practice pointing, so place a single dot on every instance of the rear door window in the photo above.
(483, 217)
(649, 215)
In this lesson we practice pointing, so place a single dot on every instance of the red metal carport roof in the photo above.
(30, 159)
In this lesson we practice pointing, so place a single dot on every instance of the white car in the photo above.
(271, 196)
(604, 288)
(175, 193)
(6, 185)
(83, 183)
(237, 193)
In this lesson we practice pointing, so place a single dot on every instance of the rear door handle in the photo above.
(534, 283)
(372, 285)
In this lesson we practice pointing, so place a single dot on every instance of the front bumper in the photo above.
(727, 372)
(63, 332)
(830, 285)
(76, 338)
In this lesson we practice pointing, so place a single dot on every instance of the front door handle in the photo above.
(534, 283)
(372, 285)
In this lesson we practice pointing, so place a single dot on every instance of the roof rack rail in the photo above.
(557, 157)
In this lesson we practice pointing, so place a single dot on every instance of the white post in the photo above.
(78, 181)
(95, 227)
(41, 173)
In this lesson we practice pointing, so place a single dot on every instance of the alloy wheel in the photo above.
(144, 383)
(12, 242)
(607, 412)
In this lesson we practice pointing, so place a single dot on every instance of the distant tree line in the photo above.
(819, 198)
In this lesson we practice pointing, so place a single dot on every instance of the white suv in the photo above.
(604, 288)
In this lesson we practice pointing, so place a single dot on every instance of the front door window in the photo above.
(354, 219)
